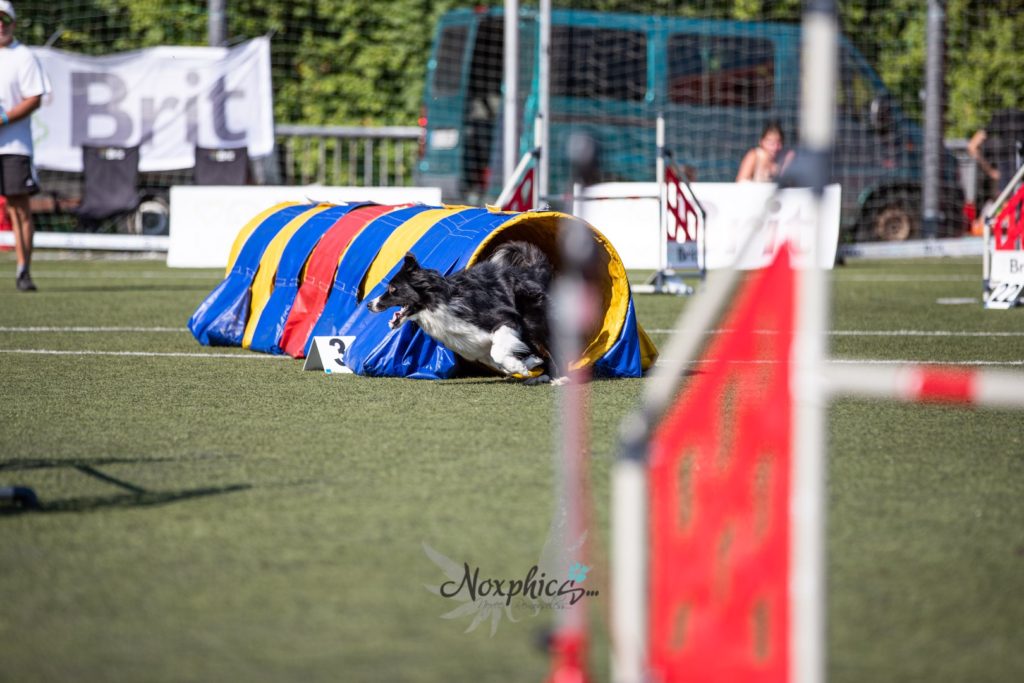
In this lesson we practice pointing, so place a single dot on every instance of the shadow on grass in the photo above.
(496, 380)
(42, 463)
(133, 497)
(475, 379)
(125, 500)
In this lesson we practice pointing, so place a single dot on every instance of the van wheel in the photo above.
(894, 222)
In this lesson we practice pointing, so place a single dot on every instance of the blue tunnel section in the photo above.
(344, 297)
(271, 323)
(221, 318)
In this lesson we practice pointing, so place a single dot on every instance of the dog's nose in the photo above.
(374, 306)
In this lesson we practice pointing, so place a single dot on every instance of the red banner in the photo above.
(522, 198)
(719, 494)
(682, 224)
(1008, 229)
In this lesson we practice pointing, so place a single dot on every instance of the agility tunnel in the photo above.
(296, 271)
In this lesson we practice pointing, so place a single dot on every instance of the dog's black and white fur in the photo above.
(494, 313)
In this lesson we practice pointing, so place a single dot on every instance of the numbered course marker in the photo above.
(328, 354)
(1005, 295)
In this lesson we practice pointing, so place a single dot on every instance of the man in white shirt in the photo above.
(22, 86)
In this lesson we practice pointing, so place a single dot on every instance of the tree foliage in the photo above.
(354, 62)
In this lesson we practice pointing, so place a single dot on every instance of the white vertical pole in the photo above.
(807, 506)
(629, 569)
(934, 98)
(572, 449)
(216, 23)
(510, 130)
(540, 153)
(577, 199)
(544, 98)
(986, 254)
(663, 217)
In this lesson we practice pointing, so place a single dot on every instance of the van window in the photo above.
(721, 71)
(598, 63)
(448, 71)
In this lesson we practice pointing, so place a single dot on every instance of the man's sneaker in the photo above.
(25, 283)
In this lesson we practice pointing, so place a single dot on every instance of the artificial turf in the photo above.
(234, 518)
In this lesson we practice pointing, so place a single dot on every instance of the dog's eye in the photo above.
(391, 289)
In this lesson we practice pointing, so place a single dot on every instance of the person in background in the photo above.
(998, 148)
(22, 86)
(761, 164)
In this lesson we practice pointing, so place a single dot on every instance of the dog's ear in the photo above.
(410, 262)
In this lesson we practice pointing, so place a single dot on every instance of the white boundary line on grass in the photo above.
(885, 361)
(33, 328)
(181, 354)
(217, 275)
(834, 333)
(147, 354)
(877, 277)
(920, 333)
(858, 277)
(42, 275)
(882, 333)
(918, 361)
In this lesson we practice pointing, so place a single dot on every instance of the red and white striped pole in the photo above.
(927, 384)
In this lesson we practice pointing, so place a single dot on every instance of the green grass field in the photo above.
(218, 515)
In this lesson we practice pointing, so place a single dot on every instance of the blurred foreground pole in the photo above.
(510, 133)
(574, 310)
(807, 501)
(216, 26)
(934, 98)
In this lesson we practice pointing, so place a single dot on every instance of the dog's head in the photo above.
(410, 289)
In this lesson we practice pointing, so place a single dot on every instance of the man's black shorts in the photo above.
(17, 176)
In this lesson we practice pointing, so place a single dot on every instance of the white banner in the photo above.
(206, 220)
(165, 99)
(627, 214)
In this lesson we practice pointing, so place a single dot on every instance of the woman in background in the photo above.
(761, 164)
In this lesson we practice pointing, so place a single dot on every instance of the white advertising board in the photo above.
(206, 220)
(627, 214)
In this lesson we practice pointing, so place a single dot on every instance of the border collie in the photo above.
(494, 313)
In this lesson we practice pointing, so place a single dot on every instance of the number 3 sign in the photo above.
(328, 354)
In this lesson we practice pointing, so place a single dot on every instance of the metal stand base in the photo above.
(665, 281)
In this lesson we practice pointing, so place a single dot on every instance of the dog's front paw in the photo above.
(559, 381)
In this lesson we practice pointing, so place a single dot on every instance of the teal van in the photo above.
(716, 82)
